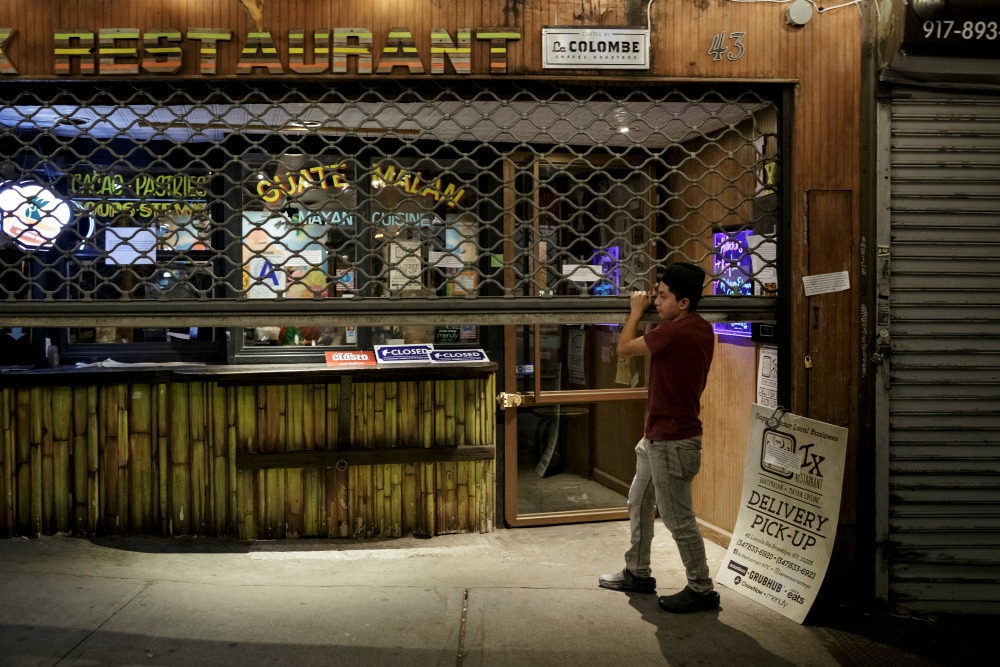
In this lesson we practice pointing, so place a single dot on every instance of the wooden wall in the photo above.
(707, 192)
(731, 389)
(163, 459)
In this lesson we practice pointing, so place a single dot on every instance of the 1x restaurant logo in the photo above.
(778, 455)
(782, 456)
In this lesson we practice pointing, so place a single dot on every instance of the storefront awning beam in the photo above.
(367, 312)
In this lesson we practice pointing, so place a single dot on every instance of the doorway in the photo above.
(569, 443)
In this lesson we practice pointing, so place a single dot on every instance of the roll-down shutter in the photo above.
(944, 398)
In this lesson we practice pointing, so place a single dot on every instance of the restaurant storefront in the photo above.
(281, 191)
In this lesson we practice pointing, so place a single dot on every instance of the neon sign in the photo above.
(32, 215)
(733, 264)
(608, 260)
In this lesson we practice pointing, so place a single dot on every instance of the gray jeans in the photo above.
(663, 473)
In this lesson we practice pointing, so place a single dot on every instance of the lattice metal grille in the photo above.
(253, 197)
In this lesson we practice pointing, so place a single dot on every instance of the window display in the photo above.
(390, 228)
(318, 217)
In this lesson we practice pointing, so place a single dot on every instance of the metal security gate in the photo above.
(942, 460)
(253, 203)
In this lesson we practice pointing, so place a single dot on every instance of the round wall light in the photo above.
(799, 13)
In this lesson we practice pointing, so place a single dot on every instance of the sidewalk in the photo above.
(514, 597)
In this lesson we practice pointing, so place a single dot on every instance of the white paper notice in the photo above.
(825, 283)
(130, 245)
(763, 251)
(581, 273)
(767, 376)
(783, 540)
(312, 257)
(444, 260)
(404, 255)
(265, 277)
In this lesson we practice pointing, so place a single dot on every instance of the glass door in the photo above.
(569, 444)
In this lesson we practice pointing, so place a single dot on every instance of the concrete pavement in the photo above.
(513, 597)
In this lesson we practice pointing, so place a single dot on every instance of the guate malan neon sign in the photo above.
(331, 177)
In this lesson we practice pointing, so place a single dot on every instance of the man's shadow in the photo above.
(701, 638)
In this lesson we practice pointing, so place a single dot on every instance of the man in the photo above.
(669, 454)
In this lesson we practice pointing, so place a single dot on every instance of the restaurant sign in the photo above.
(129, 52)
(595, 48)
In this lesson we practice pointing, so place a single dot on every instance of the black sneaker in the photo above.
(626, 581)
(689, 600)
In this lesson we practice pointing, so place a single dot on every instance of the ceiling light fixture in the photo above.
(304, 125)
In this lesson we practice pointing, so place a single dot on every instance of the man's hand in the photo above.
(630, 343)
(639, 302)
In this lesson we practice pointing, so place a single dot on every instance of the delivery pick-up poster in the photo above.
(784, 533)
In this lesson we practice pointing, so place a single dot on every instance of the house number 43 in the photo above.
(733, 49)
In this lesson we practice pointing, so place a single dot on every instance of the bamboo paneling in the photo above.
(161, 459)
